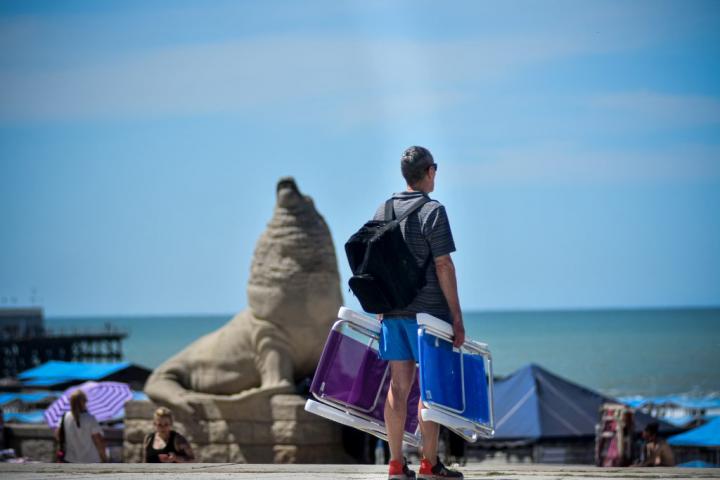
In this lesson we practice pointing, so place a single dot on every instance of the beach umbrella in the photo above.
(104, 401)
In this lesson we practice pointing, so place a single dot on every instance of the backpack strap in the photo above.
(390, 209)
(61, 433)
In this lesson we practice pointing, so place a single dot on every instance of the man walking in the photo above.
(427, 234)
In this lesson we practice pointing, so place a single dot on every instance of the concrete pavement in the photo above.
(209, 471)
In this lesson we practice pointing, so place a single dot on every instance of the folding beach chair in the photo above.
(351, 381)
(456, 385)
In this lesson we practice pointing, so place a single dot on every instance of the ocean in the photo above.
(617, 352)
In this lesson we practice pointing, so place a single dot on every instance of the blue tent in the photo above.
(681, 401)
(59, 375)
(54, 372)
(697, 464)
(27, 398)
(533, 404)
(707, 436)
(34, 416)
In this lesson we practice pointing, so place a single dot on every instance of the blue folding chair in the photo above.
(456, 384)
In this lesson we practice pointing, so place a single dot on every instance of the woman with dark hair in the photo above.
(83, 437)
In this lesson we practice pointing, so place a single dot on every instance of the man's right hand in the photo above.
(445, 269)
(459, 334)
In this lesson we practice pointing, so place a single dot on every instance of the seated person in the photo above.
(657, 452)
(165, 445)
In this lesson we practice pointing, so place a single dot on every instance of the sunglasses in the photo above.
(432, 165)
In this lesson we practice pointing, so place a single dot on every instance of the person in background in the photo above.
(454, 447)
(84, 441)
(165, 445)
(2, 429)
(657, 452)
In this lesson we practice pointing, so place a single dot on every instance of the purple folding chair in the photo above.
(351, 381)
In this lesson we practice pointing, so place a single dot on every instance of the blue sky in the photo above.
(578, 144)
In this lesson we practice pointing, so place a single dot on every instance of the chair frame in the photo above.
(447, 416)
(348, 414)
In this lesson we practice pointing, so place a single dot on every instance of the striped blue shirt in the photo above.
(427, 233)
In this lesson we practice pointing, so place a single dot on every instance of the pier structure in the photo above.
(25, 343)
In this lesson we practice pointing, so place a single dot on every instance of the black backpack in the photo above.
(386, 275)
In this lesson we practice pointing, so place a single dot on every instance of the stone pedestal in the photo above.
(274, 431)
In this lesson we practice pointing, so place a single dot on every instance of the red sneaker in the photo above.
(438, 472)
(399, 470)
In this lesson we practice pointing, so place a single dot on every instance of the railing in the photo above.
(110, 331)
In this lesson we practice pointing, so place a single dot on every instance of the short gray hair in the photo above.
(414, 163)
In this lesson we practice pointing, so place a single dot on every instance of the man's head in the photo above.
(418, 167)
(651, 431)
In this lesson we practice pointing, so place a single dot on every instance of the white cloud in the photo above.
(659, 108)
(266, 72)
(49, 69)
(569, 164)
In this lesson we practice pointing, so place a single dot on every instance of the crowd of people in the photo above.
(80, 440)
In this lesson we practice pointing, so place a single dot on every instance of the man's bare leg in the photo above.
(430, 433)
(402, 375)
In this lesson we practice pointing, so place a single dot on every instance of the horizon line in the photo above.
(468, 311)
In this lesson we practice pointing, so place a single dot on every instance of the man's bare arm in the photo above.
(448, 284)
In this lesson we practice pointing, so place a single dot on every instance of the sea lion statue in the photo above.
(293, 298)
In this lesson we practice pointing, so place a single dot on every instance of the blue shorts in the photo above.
(399, 339)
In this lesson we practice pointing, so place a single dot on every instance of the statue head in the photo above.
(294, 278)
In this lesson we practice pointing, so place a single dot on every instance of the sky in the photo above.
(578, 145)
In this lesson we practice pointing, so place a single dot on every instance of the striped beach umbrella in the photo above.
(104, 401)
